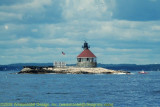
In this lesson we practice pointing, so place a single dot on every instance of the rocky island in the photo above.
(86, 64)
(69, 70)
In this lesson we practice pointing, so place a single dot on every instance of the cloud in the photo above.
(6, 17)
(143, 10)
(87, 10)
(34, 11)
(111, 38)
(13, 2)
(6, 27)
(38, 31)
(153, 0)
(157, 27)
(34, 30)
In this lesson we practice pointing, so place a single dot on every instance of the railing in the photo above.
(59, 64)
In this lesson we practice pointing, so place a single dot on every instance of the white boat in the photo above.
(142, 72)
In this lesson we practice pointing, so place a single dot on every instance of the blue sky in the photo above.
(118, 31)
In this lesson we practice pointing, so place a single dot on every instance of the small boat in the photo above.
(142, 72)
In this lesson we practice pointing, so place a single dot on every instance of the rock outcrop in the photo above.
(72, 70)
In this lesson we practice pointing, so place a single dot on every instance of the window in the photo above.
(79, 59)
(84, 59)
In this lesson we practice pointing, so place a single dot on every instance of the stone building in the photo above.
(86, 58)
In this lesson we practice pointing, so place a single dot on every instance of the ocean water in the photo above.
(135, 90)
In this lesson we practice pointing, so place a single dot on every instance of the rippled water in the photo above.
(140, 90)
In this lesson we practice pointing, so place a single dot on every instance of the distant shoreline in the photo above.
(125, 67)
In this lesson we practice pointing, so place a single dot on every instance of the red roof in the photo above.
(86, 53)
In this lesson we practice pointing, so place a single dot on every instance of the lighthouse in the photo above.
(86, 58)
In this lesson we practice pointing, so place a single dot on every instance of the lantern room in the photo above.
(86, 58)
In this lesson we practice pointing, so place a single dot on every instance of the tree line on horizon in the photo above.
(125, 67)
